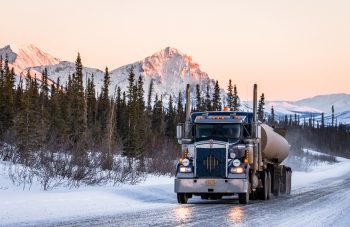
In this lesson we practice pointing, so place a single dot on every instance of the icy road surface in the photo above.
(320, 197)
(327, 204)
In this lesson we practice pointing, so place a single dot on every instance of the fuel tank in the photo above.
(273, 145)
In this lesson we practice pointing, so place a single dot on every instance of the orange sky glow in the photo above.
(292, 49)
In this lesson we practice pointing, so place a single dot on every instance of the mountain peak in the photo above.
(8, 50)
(170, 52)
(27, 55)
(169, 63)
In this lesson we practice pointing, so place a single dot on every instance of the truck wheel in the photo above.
(182, 198)
(289, 182)
(243, 198)
(269, 194)
(264, 191)
(276, 184)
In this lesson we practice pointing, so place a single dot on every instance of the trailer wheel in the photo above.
(243, 198)
(265, 189)
(276, 183)
(289, 182)
(269, 194)
(182, 198)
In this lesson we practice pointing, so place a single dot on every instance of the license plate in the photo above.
(210, 182)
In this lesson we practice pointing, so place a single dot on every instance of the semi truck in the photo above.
(227, 153)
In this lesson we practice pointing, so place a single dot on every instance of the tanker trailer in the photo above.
(229, 152)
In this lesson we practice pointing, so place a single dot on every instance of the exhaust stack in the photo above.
(188, 113)
(254, 135)
(255, 104)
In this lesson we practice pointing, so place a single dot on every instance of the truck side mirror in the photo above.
(179, 131)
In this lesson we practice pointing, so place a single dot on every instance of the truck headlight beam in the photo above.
(184, 169)
(238, 169)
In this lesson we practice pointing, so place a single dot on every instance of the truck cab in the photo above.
(215, 157)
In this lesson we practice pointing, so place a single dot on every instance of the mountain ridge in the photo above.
(170, 70)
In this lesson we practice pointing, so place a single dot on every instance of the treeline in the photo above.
(333, 138)
(43, 120)
(37, 115)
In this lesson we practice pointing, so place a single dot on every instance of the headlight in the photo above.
(185, 162)
(236, 162)
(184, 169)
(238, 169)
(232, 155)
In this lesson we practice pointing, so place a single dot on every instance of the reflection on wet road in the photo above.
(183, 213)
(236, 214)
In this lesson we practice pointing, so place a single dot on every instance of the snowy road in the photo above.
(327, 204)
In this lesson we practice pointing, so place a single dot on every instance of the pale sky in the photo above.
(293, 49)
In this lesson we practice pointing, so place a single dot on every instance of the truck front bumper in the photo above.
(224, 186)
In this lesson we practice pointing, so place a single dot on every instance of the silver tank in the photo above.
(273, 145)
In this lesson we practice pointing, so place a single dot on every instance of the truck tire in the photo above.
(243, 198)
(269, 185)
(284, 181)
(182, 198)
(264, 191)
(289, 182)
(276, 182)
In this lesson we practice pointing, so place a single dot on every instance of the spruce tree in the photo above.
(118, 111)
(7, 108)
(170, 120)
(27, 125)
(142, 124)
(272, 118)
(216, 97)
(130, 144)
(77, 116)
(149, 98)
(235, 103)
(261, 107)
(158, 116)
(208, 105)
(322, 120)
(332, 115)
(91, 108)
(44, 107)
(180, 109)
(198, 98)
(104, 105)
(230, 95)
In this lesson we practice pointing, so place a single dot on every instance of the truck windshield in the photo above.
(218, 131)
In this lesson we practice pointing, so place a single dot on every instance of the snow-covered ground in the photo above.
(19, 206)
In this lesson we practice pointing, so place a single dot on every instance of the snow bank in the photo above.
(320, 172)
(22, 206)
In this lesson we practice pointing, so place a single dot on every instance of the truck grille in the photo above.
(211, 162)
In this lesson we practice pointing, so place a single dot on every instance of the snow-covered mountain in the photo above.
(20, 58)
(170, 70)
(315, 106)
